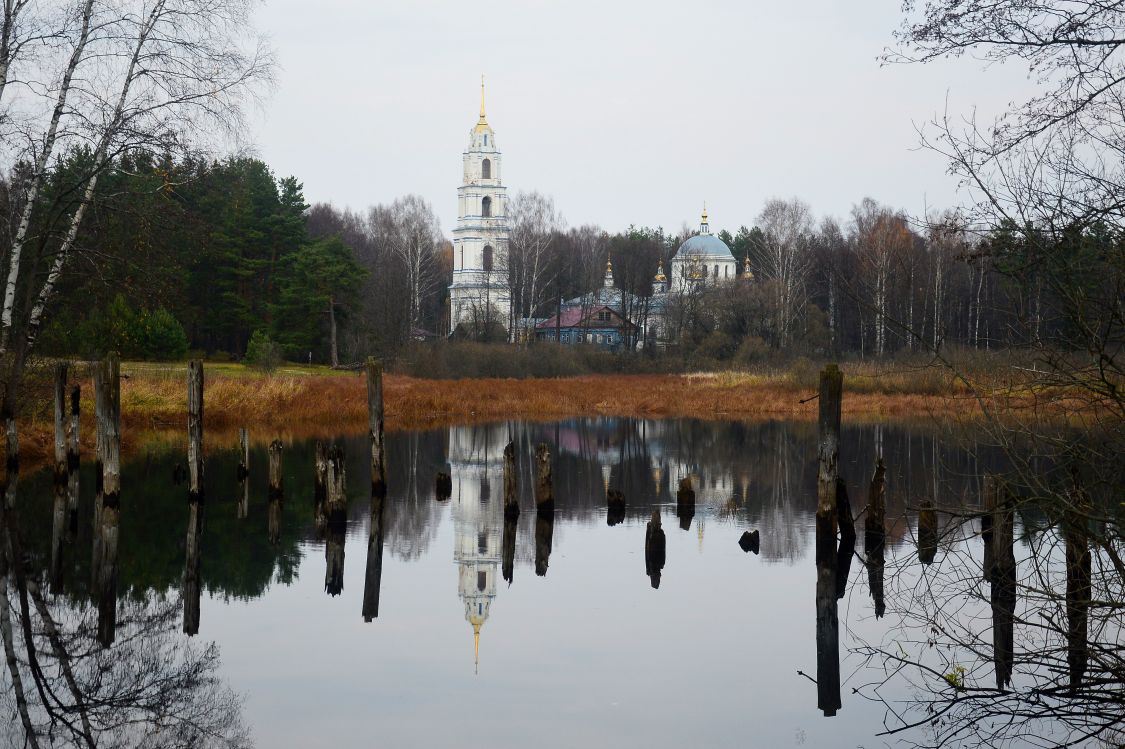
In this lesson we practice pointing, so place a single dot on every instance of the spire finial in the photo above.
(476, 648)
(482, 98)
(703, 227)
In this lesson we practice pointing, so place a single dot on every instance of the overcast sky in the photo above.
(624, 112)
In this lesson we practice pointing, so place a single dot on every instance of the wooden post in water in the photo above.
(336, 498)
(1078, 566)
(373, 579)
(109, 424)
(59, 509)
(375, 426)
(72, 460)
(831, 393)
(320, 484)
(544, 489)
(655, 549)
(846, 551)
(1001, 574)
(511, 485)
(927, 532)
(243, 473)
(276, 492)
(195, 428)
(685, 502)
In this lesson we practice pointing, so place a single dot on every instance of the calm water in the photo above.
(588, 652)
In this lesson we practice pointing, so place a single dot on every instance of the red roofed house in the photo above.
(598, 325)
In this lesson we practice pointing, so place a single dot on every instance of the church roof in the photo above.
(705, 246)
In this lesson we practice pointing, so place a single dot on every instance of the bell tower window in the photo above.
(486, 169)
(487, 257)
(486, 207)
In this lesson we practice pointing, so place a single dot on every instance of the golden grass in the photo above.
(308, 403)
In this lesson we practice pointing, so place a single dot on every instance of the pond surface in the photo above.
(426, 644)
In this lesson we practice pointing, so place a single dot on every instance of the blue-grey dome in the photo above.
(705, 246)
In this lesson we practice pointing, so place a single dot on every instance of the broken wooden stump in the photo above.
(195, 428)
(336, 498)
(654, 549)
(107, 516)
(927, 532)
(828, 449)
(544, 489)
(243, 473)
(375, 421)
(750, 541)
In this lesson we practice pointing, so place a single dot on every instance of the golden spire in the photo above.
(482, 121)
(704, 202)
(660, 277)
(747, 274)
(476, 648)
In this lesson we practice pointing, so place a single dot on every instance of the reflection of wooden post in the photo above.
(59, 509)
(655, 549)
(192, 582)
(244, 472)
(443, 486)
(100, 386)
(847, 538)
(375, 426)
(544, 536)
(990, 499)
(875, 537)
(195, 428)
(72, 459)
(508, 549)
(334, 559)
(276, 492)
(109, 424)
(927, 532)
(1077, 590)
(827, 629)
(544, 490)
(511, 487)
(615, 506)
(831, 391)
(685, 503)
(373, 580)
(1001, 574)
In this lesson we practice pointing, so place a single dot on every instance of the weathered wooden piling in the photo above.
(990, 498)
(276, 492)
(61, 418)
(875, 536)
(243, 473)
(375, 426)
(72, 460)
(685, 502)
(336, 497)
(927, 532)
(373, 578)
(443, 486)
(827, 629)
(511, 484)
(655, 549)
(544, 537)
(875, 521)
(320, 484)
(195, 428)
(544, 489)
(615, 507)
(105, 566)
(828, 448)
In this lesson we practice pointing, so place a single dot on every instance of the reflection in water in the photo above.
(373, 579)
(191, 565)
(544, 538)
(334, 558)
(655, 549)
(685, 503)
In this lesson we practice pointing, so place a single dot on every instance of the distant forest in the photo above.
(197, 256)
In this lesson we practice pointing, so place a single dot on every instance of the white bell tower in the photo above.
(478, 296)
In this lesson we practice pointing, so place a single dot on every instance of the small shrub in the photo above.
(262, 352)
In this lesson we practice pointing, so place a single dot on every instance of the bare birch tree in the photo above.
(414, 239)
(784, 258)
(534, 223)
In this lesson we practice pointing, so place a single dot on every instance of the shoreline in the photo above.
(154, 407)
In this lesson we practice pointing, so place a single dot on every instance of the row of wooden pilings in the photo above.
(331, 505)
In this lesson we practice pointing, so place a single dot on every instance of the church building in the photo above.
(479, 299)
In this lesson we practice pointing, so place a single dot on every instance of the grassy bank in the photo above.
(312, 401)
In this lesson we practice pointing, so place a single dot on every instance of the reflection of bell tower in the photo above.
(475, 461)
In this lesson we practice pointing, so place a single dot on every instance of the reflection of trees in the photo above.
(997, 657)
(60, 688)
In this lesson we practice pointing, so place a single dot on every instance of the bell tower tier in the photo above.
(479, 300)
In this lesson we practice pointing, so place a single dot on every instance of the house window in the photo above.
(603, 316)
(486, 169)
(487, 257)
(486, 208)
(566, 337)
